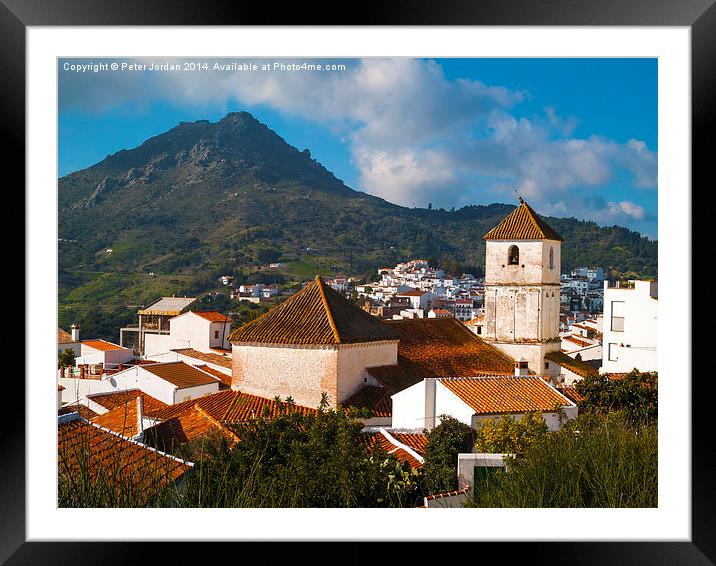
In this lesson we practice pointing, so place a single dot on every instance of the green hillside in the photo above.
(206, 199)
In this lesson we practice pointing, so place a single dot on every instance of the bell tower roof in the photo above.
(523, 223)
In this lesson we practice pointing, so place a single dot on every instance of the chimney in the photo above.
(521, 367)
(75, 332)
(140, 407)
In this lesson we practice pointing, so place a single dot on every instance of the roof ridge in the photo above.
(216, 423)
(329, 314)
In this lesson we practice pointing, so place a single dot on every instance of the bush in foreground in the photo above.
(590, 462)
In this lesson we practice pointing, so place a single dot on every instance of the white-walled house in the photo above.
(423, 300)
(101, 352)
(203, 331)
(630, 327)
(474, 399)
(69, 340)
(171, 383)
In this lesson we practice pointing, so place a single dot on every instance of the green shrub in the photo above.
(590, 462)
(445, 442)
(636, 394)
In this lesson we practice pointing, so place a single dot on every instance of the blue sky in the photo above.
(575, 137)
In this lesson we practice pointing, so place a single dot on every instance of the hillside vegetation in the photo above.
(206, 199)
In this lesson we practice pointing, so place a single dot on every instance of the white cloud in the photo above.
(626, 208)
(414, 135)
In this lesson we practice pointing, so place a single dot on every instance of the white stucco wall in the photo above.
(447, 403)
(186, 393)
(156, 343)
(635, 346)
(409, 408)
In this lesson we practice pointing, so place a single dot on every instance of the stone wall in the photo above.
(304, 372)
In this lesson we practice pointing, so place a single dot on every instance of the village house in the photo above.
(630, 326)
(99, 355)
(153, 320)
(472, 400)
(203, 331)
(69, 340)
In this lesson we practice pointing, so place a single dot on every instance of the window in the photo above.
(546, 365)
(216, 334)
(617, 316)
(612, 352)
(513, 255)
(479, 329)
(551, 258)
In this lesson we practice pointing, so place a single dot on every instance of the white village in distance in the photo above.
(417, 345)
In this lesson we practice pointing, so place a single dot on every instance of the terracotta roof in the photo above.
(213, 316)
(102, 345)
(376, 399)
(379, 439)
(123, 419)
(230, 406)
(523, 223)
(571, 393)
(500, 395)
(317, 314)
(439, 347)
(191, 424)
(221, 376)
(84, 447)
(578, 341)
(64, 337)
(180, 374)
(413, 293)
(216, 359)
(416, 441)
(579, 367)
(113, 399)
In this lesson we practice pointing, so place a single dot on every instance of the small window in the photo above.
(612, 352)
(546, 365)
(513, 255)
(617, 316)
(479, 329)
(551, 258)
(216, 334)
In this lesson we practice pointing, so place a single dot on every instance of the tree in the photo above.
(636, 394)
(445, 442)
(66, 358)
(294, 459)
(508, 435)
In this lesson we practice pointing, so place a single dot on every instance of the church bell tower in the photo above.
(522, 274)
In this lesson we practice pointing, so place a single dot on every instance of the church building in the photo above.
(314, 342)
(522, 282)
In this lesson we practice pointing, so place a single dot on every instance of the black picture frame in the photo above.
(699, 15)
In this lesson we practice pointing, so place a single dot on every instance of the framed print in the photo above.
(443, 220)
